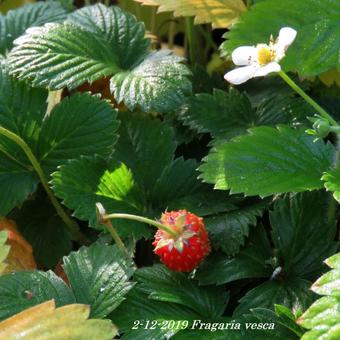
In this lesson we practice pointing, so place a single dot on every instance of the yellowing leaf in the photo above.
(4, 250)
(45, 322)
(20, 256)
(6, 5)
(330, 77)
(220, 13)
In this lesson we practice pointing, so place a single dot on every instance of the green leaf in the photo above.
(46, 322)
(288, 319)
(80, 125)
(85, 49)
(20, 290)
(228, 231)
(328, 284)
(4, 249)
(177, 180)
(83, 182)
(228, 114)
(203, 82)
(268, 161)
(99, 276)
(284, 109)
(250, 262)
(164, 285)
(225, 114)
(159, 82)
(283, 328)
(44, 231)
(322, 318)
(292, 293)
(206, 202)
(146, 146)
(16, 182)
(142, 308)
(120, 29)
(302, 232)
(316, 48)
(333, 261)
(332, 182)
(22, 110)
(61, 55)
(17, 21)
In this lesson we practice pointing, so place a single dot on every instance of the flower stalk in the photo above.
(103, 217)
(307, 98)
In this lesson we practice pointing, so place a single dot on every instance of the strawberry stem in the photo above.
(103, 218)
(143, 220)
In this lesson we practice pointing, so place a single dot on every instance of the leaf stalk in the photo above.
(71, 224)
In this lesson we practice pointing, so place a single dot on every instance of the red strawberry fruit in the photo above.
(187, 247)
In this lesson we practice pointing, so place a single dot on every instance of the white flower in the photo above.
(260, 60)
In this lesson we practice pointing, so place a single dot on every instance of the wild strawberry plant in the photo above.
(161, 201)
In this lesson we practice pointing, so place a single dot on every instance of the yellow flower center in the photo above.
(265, 55)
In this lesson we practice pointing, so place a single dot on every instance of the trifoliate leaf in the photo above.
(268, 161)
(292, 293)
(165, 285)
(4, 249)
(83, 182)
(228, 114)
(121, 30)
(302, 232)
(228, 231)
(79, 125)
(159, 82)
(250, 262)
(99, 276)
(17, 21)
(85, 49)
(220, 13)
(47, 322)
(21, 290)
(61, 55)
(222, 114)
(316, 48)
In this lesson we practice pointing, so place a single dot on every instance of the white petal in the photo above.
(240, 75)
(266, 69)
(286, 37)
(244, 55)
